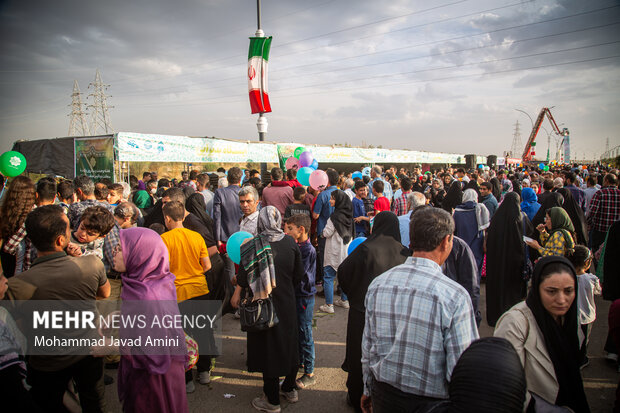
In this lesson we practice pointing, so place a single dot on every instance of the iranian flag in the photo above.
(257, 74)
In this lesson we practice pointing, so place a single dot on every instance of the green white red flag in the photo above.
(258, 58)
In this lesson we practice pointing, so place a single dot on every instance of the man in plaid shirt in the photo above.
(399, 205)
(604, 210)
(418, 322)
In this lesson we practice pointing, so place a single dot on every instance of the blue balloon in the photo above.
(315, 164)
(357, 174)
(303, 175)
(541, 165)
(357, 241)
(233, 245)
(366, 171)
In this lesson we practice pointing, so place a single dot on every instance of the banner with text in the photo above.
(138, 147)
(94, 157)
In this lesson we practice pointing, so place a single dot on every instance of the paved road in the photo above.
(329, 393)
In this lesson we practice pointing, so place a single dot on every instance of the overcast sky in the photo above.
(427, 75)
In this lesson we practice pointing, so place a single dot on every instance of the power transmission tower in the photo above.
(100, 118)
(77, 125)
(516, 147)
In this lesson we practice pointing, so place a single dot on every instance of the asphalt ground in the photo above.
(232, 388)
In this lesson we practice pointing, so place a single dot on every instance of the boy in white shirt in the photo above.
(589, 286)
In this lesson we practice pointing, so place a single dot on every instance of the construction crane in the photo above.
(528, 151)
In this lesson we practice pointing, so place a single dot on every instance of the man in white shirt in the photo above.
(248, 200)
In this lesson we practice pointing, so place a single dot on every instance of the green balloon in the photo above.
(12, 163)
(298, 151)
(546, 168)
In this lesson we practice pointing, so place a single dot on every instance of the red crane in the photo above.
(527, 152)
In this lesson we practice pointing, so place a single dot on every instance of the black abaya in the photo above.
(454, 197)
(274, 352)
(576, 215)
(380, 252)
(505, 258)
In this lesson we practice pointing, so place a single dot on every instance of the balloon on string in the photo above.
(357, 174)
(546, 168)
(318, 180)
(233, 245)
(305, 159)
(12, 163)
(366, 171)
(354, 244)
(292, 163)
(298, 151)
(303, 175)
(315, 164)
(541, 165)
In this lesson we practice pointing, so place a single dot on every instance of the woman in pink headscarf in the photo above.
(152, 380)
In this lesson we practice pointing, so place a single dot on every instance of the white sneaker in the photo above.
(190, 387)
(262, 405)
(327, 308)
(611, 357)
(341, 303)
(204, 377)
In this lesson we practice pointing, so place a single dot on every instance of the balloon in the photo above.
(357, 241)
(585, 167)
(303, 175)
(305, 159)
(315, 164)
(541, 165)
(366, 171)
(298, 151)
(233, 245)
(319, 180)
(546, 168)
(357, 174)
(12, 163)
(292, 163)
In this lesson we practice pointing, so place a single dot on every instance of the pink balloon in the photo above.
(305, 159)
(318, 180)
(292, 163)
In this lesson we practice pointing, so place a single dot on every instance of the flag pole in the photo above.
(261, 124)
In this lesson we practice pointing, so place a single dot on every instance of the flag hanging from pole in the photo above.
(258, 58)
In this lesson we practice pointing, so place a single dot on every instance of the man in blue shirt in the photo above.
(418, 322)
(321, 212)
(359, 211)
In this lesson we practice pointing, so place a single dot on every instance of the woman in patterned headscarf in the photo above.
(271, 264)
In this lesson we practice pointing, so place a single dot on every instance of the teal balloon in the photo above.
(12, 163)
(315, 164)
(366, 171)
(357, 174)
(303, 175)
(233, 245)
(354, 244)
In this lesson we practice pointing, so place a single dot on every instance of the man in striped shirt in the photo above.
(418, 322)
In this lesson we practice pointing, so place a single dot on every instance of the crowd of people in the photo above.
(544, 242)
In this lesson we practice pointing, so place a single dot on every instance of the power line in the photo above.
(173, 89)
(220, 100)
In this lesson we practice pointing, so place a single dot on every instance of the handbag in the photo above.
(258, 315)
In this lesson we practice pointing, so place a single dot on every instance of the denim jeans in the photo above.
(305, 309)
(329, 275)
